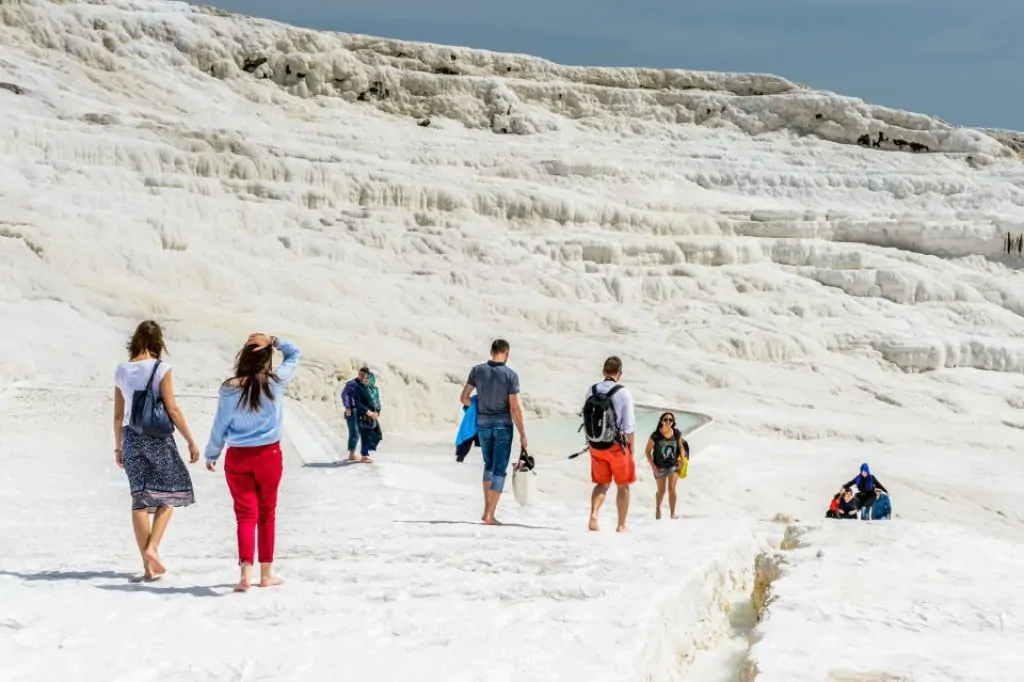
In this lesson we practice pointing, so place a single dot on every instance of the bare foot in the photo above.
(270, 582)
(621, 529)
(657, 513)
(242, 586)
(492, 522)
(156, 567)
(593, 524)
(674, 516)
(366, 460)
(353, 458)
(139, 578)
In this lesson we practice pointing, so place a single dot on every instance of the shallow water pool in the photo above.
(560, 437)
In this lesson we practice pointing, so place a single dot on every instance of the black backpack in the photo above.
(600, 422)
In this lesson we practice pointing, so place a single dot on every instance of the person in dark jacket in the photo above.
(348, 401)
(881, 507)
(848, 505)
(366, 415)
(866, 483)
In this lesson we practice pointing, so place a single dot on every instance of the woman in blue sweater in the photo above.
(250, 409)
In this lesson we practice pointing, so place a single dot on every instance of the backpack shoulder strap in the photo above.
(615, 388)
(153, 374)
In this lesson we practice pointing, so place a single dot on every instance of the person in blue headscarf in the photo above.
(866, 483)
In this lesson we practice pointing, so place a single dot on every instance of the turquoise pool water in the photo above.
(560, 438)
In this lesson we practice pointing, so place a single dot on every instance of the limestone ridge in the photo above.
(508, 93)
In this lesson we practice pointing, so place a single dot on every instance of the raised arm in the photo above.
(879, 485)
(291, 353)
(226, 403)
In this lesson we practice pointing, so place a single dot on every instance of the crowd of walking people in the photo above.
(248, 423)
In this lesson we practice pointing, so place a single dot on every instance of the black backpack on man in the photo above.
(600, 423)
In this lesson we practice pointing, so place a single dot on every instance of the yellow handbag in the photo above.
(682, 467)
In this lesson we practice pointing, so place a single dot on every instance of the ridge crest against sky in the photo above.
(958, 61)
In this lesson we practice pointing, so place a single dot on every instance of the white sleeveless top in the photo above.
(132, 376)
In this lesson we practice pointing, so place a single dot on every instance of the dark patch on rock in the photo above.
(900, 144)
(445, 71)
(251, 65)
(817, 116)
(376, 90)
(918, 147)
(11, 87)
(299, 75)
(424, 123)
(864, 140)
(287, 69)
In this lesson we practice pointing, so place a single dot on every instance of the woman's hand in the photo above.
(211, 465)
(260, 341)
(193, 453)
(119, 458)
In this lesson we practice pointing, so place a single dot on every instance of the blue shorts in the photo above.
(496, 446)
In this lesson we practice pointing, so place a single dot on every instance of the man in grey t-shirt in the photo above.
(498, 409)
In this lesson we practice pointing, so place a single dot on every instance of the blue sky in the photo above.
(955, 59)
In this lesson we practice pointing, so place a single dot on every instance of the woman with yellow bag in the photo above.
(669, 456)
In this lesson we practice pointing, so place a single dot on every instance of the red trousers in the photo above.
(253, 475)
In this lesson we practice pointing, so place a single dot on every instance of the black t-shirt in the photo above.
(666, 449)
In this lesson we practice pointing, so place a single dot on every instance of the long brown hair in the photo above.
(253, 374)
(148, 337)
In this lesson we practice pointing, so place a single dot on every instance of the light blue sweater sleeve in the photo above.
(287, 369)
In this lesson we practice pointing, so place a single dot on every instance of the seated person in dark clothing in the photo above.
(848, 505)
(881, 507)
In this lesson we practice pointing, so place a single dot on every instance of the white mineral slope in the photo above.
(387, 575)
(136, 183)
(896, 601)
(826, 302)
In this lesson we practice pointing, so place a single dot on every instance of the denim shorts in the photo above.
(496, 447)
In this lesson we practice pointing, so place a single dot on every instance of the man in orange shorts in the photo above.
(609, 421)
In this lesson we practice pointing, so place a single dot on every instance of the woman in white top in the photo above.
(157, 476)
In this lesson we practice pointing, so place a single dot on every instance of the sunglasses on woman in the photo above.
(668, 420)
